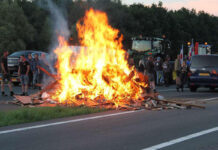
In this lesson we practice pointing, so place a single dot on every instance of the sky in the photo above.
(209, 6)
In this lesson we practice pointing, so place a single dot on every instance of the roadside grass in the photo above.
(26, 115)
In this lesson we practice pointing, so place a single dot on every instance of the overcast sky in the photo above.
(210, 6)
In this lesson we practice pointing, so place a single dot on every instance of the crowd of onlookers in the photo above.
(28, 72)
(160, 71)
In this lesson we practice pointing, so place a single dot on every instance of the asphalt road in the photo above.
(193, 129)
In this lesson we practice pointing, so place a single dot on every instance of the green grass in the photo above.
(25, 115)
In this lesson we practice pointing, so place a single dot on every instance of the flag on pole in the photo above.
(191, 50)
(181, 55)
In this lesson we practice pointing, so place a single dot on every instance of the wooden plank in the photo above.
(24, 99)
(46, 72)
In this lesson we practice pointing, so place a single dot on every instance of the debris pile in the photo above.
(148, 100)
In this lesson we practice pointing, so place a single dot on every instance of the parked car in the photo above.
(203, 72)
(13, 59)
(13, 62)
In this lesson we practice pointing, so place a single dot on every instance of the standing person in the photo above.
(44, 64)
(159, 71)
(5, 74)
(178, 71)
(23, 72)
(141, 66)
(150, 72)
(166, 71)
(183, 73)
(30, 75)
(35, 70)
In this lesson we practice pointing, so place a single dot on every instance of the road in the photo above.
(134, 130)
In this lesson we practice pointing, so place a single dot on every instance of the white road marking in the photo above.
(166, 90)
(210, 99)
(179, 140)
(203, 100)
(64, 122)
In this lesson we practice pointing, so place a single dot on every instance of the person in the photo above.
(150, 72)
(30, 75)
(35, 70)
(5, 74)
(141, 66)
(23, 72)
(177, 67)
(166, 71)
(44, 64)
(159, 71)
(183, 74)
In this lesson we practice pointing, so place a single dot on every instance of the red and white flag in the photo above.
(191, 50)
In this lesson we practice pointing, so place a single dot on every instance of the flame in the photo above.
(99, 70)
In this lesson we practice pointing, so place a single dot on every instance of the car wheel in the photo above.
(193, 88)
(16, 83)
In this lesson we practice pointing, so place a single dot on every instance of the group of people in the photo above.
(28, 72)
(158, 71)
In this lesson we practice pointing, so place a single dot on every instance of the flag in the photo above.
(181, 55)
(191, 50)
(196, 48)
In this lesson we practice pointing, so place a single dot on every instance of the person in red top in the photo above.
(5, 74)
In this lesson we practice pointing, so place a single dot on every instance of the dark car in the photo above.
(13, 59)
(203, 72)
(13, 62)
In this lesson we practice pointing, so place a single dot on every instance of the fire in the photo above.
(99, 71)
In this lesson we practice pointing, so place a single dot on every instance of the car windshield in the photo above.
(205, 61)
(18, 54)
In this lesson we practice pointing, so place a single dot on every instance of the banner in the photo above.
(196, 48)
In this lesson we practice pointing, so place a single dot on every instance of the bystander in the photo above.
(23, 72)
(5, 74)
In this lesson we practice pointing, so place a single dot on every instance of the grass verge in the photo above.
(26, 115)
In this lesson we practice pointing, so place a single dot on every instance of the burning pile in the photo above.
(99, 71)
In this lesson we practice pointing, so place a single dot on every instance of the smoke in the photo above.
(59, 27)
(58, 20)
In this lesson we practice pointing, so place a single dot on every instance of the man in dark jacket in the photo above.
(150, 72)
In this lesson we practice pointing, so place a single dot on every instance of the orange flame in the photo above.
(100, 68)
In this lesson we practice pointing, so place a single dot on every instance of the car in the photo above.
(13, 59)
(203, 72)
(13, 62)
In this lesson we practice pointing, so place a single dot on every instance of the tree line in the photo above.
(26, 25)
